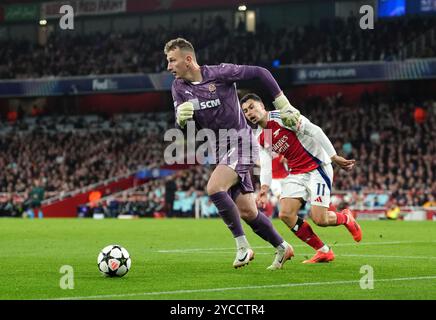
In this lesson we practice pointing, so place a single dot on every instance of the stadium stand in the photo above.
(72, 152)
(396, 156)
(66, 55)
(337, 40)
(332, 40)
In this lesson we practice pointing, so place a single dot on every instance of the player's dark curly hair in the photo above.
(249, 96)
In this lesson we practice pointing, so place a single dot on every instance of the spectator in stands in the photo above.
(177, 205)
(170, 189)
(12, 116)
(93, 200)
(431, 202)
(9, 208)
(34, 200)
(156, 205)
(113, 208)
(392, 213)
(188, 202)
(208, 209)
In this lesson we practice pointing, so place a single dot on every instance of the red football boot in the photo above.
(352, 225)
(321, 257)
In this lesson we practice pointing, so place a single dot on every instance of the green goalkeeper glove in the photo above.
(290, 116)
(184, 112)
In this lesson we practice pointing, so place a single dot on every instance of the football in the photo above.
(114, 261)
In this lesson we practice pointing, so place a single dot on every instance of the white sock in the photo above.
(324, 249)
(242, 242)
(282, 246)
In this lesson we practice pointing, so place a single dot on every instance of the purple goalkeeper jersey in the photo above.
(216, 104)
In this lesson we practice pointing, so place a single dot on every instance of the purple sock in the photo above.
(263, 227)
(228, 211)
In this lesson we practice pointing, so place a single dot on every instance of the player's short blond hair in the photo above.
(180, 43)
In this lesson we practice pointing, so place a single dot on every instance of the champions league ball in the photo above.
(113, 261)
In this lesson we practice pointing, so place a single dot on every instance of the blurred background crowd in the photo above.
(84, 140)
(395, 153)
(329, 41)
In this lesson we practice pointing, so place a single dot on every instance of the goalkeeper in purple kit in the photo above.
(207, 95)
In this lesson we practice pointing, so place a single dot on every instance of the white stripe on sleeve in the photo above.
(265, 167)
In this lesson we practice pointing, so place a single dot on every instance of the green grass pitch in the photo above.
(192, 259)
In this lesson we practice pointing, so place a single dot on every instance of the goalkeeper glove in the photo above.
(184, 112)
(290, 116)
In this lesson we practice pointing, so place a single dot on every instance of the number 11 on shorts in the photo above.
(318, 190)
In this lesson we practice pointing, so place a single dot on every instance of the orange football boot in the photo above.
(321, 257)
(352, 225)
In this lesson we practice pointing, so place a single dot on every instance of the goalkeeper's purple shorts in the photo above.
(245, 184)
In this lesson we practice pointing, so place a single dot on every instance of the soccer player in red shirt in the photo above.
(309, 154)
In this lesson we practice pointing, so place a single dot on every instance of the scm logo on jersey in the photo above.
(210, 104)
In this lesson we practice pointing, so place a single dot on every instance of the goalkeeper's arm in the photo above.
(288, 113)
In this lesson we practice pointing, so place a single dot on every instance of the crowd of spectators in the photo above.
(337, 40)
(146, 201)
(99, 53)
(72, 152)
(149, 199)
(394, 149)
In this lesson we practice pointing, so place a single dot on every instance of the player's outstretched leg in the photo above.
(223, 178)
(289, 208)
(324, 218)
(230, 214)
(304, 232)
(263, 227)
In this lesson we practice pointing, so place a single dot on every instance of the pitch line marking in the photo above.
(211, 251)
(285, 285)
(296, 246)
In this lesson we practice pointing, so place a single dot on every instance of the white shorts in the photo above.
(315, 186)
